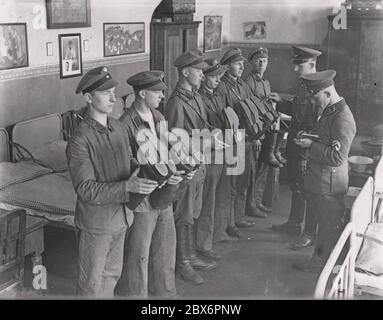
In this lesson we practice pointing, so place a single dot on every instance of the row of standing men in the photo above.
(137, 252)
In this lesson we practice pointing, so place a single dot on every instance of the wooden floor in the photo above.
(258, 266)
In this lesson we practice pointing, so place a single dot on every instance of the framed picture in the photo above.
(124, 38)
(254, 30)
(68, 14)
(70, 55)
(212, 33)
(13, 45)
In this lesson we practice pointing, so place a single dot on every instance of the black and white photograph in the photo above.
(70, 55)
(191, 157)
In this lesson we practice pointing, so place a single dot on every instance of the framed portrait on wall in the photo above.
(124, 38)
(70, 55)
(212, 33)
(13, 46)
(68, 14)
(254, 30)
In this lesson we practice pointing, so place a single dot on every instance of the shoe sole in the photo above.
(204, 268)
(180, 276)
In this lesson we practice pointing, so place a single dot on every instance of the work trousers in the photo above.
(149, 260)
(211, 195)
(100, 262)
(329, 210)
(246, 182)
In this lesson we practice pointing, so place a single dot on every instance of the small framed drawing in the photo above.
(124, 38)
(13, 45)
(212, 33)
(68, 14)
(254, 30)
(70, 55)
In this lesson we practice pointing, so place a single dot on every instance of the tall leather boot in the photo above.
(196, 262)
(184, 268)
(297, 211)
(277, 152)
(270, 141)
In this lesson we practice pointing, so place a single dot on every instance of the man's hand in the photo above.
(258, 145)
(303, 166)
(176, 178)
(190, 175)
(140, 185)
(303, 143)
(273, 96)
(335, 145)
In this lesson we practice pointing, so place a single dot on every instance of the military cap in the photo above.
(214, 68)
(232, 55)
(258, 52)
(190, 59)
(319, 80)
(96, 79)
(302, 54)
(147, 80)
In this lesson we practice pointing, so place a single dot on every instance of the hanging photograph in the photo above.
(13, 45)
(212, 33)
(68, 14)
(70, 55)
(254, 30)
(123, 38)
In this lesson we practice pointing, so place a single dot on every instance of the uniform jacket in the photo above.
(327, 168)
(99, 163)
(185, 109)
(302, 118)
(259, 87)
(133, 123)
(214, 106)
(233, 91)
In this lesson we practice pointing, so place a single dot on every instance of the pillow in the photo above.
(52, 155)
(12, 173)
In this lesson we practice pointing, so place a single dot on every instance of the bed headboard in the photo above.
(4, 146)
(34, 133)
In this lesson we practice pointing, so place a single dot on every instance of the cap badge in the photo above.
(105, 69)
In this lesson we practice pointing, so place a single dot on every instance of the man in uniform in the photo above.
(326, 180)
(217, 185)
(150, 250)
(270, 155)
(234, 90)
(302, 116)
(99, 158)
(185, 109)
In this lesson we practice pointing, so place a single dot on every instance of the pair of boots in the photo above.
(186, 257)
(274, 156)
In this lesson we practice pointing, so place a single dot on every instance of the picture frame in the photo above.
(63, 14)
(212, 33)
(123, 38)
(254, 30)
(13, 46)
(70, 55)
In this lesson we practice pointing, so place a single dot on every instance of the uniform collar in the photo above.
(334, 107)
(229, 79)
(207, 92)
(257, 77)
(186, 93)
(96, 125)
